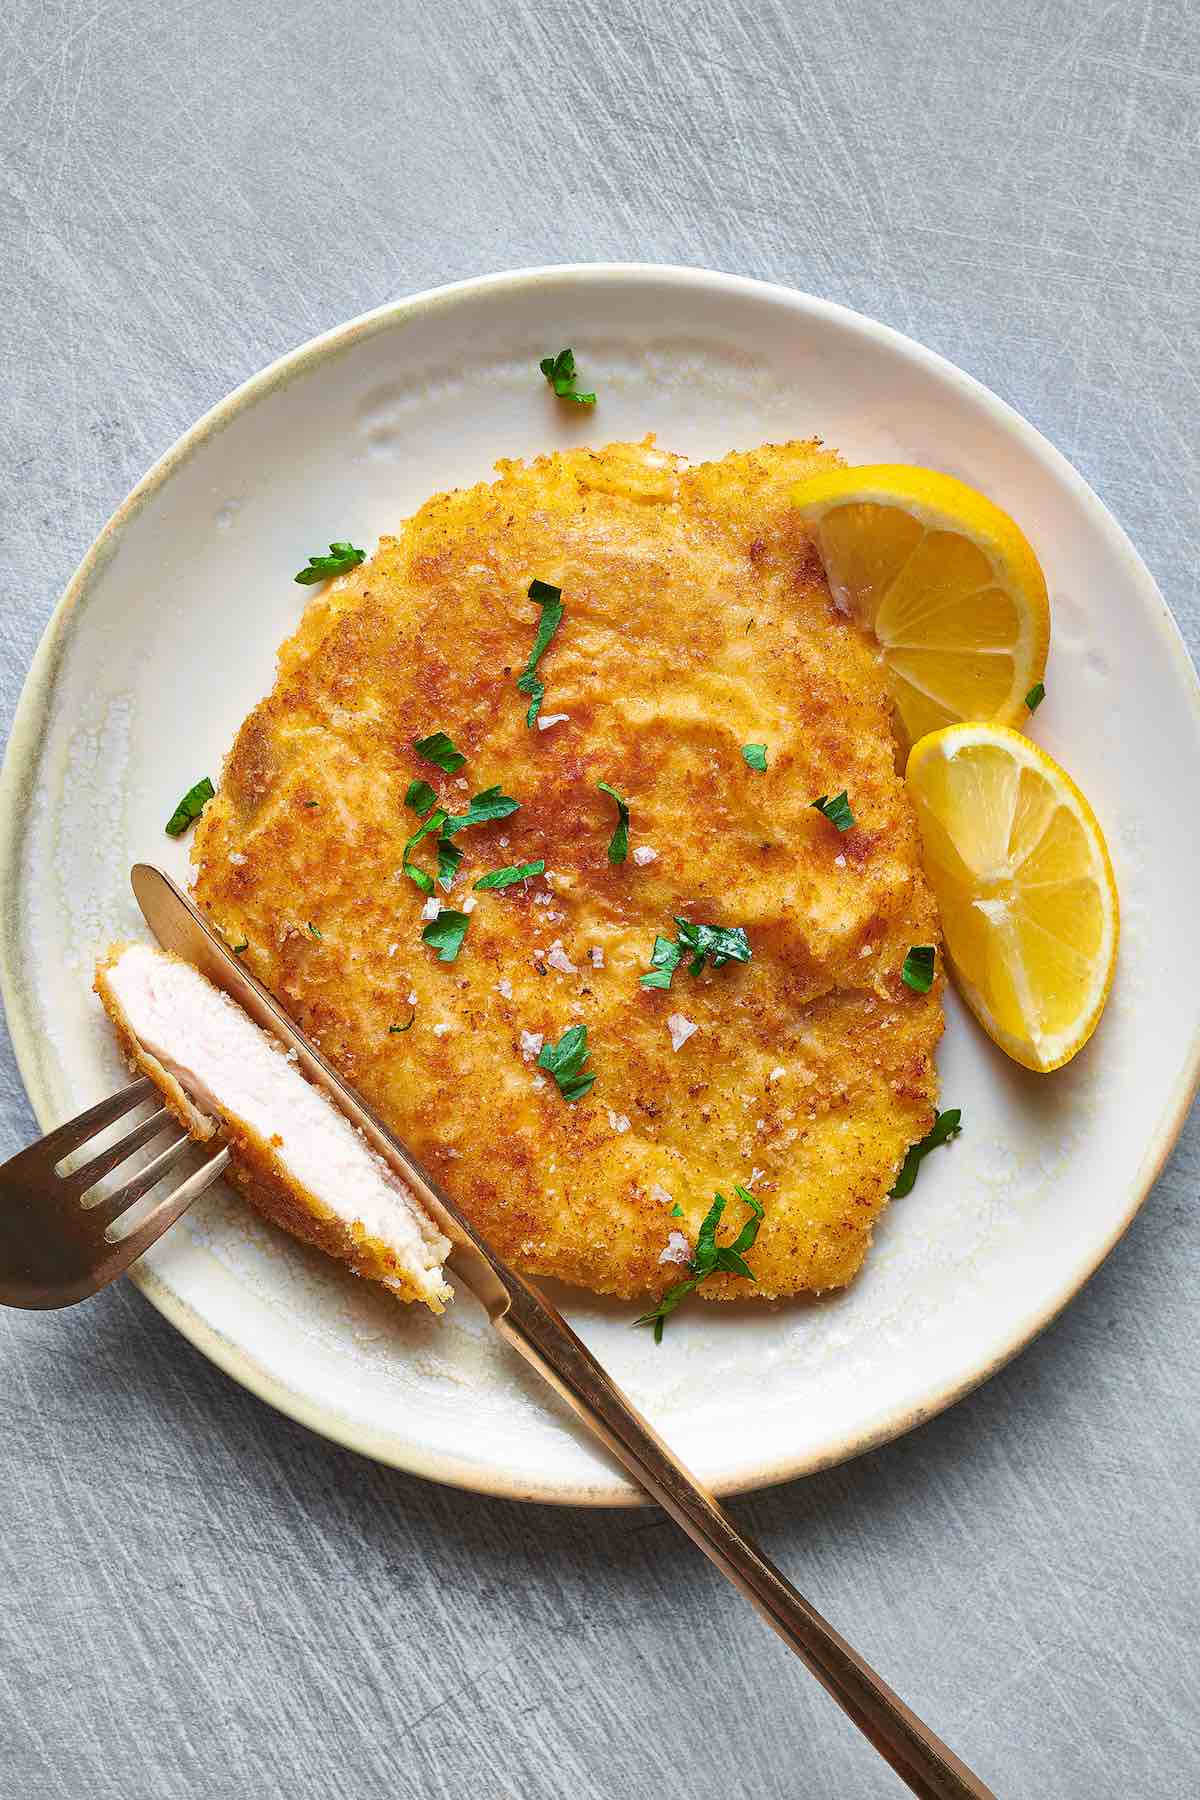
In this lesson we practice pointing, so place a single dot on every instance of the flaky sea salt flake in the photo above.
(678, 1250)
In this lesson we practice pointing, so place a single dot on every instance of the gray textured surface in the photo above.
(198, 1597)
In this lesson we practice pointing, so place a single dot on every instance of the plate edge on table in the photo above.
(16, 787)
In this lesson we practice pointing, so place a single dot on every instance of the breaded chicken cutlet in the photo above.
(293, 1155)
(696, 620)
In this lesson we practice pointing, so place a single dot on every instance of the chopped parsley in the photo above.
(710, 1258)
(565, 1061)
(560, 373)
(947, 1125)
(190, 807)
(1035, 696)
(835, 809)
(677, 1211)
(449, 857)
(313, 929)
(550, 600)
(238, 948)
(722, 943)
(755, 756)
(341, 557)
(438, 748)
(420, 796)
(618, 848)
(490, 804)
(446, 933)
(503, 878)
(699, 942)
(433, 823)
(917, 972)
(664, 960)
(399, 1030)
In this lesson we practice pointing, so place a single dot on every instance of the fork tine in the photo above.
(111, 1206)
(57, 1144)
(169, 1208)
(78, 1181)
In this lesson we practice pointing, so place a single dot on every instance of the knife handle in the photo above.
(534, 1328)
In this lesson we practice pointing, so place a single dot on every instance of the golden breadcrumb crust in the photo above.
(255, 1170)
(697, 620)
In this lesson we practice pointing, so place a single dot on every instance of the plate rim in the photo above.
(17, 782)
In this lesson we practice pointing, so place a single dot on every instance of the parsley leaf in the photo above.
(730, 1257)
(710, 1258)
(560, 373)
(917, 972)
(755, 755)
(618, 849)
(313, 929)
(438, 748)
(670, 1300)
(449, 857)
(238, 948)
(550, 600)
(947, 1125)
(342, 556)
(565, 1061)
(720, 942)
(190, 807)
(490, 804)
(1035, 696)
(502, 878)
(677, 1211)
(399, 1030)
(664, 960)
(836, 810)
(446, 933)
(433, 823)
(420, 796)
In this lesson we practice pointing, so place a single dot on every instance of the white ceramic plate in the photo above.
(166, 638)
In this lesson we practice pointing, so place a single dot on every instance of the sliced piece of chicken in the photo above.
(294, 1156)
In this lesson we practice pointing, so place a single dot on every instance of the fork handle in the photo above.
(918, 1756)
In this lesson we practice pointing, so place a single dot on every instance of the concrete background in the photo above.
(197, 1597)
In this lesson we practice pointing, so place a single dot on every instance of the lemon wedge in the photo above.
(1025, 887)
(948, 584)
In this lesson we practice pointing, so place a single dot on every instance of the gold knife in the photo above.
(527, 1320)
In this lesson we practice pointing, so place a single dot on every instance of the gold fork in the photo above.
(520, 1313)
(55, 1247)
